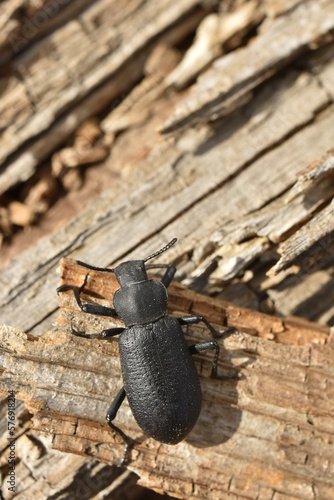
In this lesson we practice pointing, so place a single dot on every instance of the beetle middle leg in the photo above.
(110, 332)
(111, 414)
(87, 308)
(91, 309)
(191, 320)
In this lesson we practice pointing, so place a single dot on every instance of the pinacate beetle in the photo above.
(159, 374)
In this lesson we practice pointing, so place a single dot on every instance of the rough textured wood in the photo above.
(213, 32)
(23, 22)
(97, 68)
(223, 87)
(69, 390)
(58, 473)
(291, 331)
(195, 207)
(275, 222)
(244, 182)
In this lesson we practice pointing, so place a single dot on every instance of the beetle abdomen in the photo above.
(160, 380)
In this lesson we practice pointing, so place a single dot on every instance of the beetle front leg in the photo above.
(169, 274)
(87, 308)
(111, 414)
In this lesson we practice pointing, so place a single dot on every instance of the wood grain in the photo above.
(241, 173)
(68, 382)
(222, 89)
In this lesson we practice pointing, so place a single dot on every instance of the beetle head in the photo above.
(134, 271)
(130, 272)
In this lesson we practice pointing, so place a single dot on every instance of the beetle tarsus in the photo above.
(87, 308)
(111, 414)
(110, 332)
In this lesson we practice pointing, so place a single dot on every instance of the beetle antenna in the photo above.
(94, 268)
(162, 250)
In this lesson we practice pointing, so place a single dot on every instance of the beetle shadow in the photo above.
(220, 416)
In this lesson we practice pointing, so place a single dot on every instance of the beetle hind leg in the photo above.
(111, 414)
(211, 345)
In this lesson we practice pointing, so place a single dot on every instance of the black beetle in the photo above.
(159, 373)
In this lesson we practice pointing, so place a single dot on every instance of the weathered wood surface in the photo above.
(289, 330)
(275, 410)
(100, 66)
(208, 205)
(57, 473)
(244, 179)
(224, 87)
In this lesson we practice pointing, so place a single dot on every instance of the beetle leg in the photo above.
(169, 274)
(110, 332)
(190, 320)
(111, 414)
(88, 308)
(212, 345)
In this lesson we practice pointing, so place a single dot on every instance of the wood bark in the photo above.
(273, 414)
(103, 68)
(241, 172)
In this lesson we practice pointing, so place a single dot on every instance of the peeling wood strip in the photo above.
(235, 74)
(211, 34)
(239, 242)
(173, 189)
(183, 300)
(316, 230)
(95, 62)
(243, 194)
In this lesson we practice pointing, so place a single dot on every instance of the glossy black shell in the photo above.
(160, 379)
